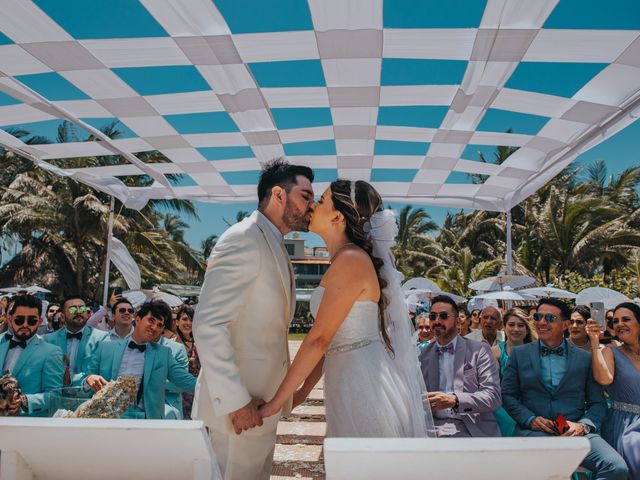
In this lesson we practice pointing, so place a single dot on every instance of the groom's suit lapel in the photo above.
(282, 261)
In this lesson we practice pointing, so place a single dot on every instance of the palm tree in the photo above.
(411, 241)
(240, 215)
(207, 245)
(62, 226)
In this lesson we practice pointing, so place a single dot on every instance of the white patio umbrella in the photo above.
(420, 283)
(476, 303)
(507, 294)
(499, 282)
(31, 289)
(429, 294)
(138, 297)
(549, 291)
(609, 297)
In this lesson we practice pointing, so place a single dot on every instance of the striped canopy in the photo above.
(401, 93)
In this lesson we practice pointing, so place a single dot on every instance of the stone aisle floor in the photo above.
(298, 452)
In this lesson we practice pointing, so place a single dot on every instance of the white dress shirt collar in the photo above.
(276, 233)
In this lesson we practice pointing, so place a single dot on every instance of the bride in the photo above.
(362, 335)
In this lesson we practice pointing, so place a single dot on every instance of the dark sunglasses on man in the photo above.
(442, 315)
(125, 310)
(549, 317)
(81, 309)
(32, 320)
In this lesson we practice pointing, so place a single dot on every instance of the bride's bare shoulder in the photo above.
(351, 257)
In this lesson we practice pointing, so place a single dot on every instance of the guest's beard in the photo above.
(23, 334)
(294, 219)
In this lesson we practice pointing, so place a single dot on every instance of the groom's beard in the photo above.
(294, 219)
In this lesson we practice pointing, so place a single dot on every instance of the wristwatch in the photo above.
(587, 428)
(457, 404)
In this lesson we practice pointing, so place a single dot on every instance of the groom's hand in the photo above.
(247, 417)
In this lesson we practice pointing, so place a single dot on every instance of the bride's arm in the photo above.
(303, 392)
(343, 288)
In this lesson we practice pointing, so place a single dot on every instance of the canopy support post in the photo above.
(509, 254)
(105, 290)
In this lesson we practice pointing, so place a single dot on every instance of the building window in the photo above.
(290, 249)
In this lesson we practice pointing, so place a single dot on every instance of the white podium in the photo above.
(70, 449)
(453, 458)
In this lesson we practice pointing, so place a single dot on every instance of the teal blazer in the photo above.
(173, 394)
(159, 366)
(91, 339)
(39, 370)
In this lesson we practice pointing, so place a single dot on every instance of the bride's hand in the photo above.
(269, 409)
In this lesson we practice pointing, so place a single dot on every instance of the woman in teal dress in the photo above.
(518, 331)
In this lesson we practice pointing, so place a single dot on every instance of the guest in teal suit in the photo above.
(173, 395)
(77, 340)
(36, 365)
(551, 376)
(139, 356)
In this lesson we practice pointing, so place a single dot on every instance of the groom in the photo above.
(249, 287)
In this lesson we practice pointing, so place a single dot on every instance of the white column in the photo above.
(105, 291)
(509, 254)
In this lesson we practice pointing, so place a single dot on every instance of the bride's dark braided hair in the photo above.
(357, 201)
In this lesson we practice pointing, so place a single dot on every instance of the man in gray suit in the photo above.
(550, 377)
(461, 376)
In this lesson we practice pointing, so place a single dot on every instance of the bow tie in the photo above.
(445, 349)
(77, 335)
(545, 351)
(140, 348)
(17, 343)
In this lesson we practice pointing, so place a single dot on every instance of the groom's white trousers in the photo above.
(247, 456)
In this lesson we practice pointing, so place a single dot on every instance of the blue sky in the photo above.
(619, 152)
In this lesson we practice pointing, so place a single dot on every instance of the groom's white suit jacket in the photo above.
(242, 320)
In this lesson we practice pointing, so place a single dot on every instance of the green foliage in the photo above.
(61, 226)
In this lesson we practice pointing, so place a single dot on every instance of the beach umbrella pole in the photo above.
(509, 258)
(105, 289)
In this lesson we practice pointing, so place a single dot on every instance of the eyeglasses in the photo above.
(442, 315)
(125, 310)
(32, 320)
(549, 317)
(81, 309)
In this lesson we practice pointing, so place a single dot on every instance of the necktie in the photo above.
(545, 351)
(17, 343)
(77, 335)
(133, 344)
(445, 349)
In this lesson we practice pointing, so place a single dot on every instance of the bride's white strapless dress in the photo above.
(364, 397)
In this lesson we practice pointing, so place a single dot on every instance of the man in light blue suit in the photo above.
(36, 365)
(77, 340)
(139, 356)
(550, 377)
(173, 394)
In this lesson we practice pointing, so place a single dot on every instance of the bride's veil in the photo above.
(382, 230)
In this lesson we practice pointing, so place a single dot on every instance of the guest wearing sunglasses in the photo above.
(36, 365)
(550, 377)
(122, 314)
(461, 377)
(76, 339)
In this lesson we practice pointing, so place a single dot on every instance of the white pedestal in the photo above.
(70, 449)
(453, 458)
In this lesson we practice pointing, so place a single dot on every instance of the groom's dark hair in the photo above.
(281, 173)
